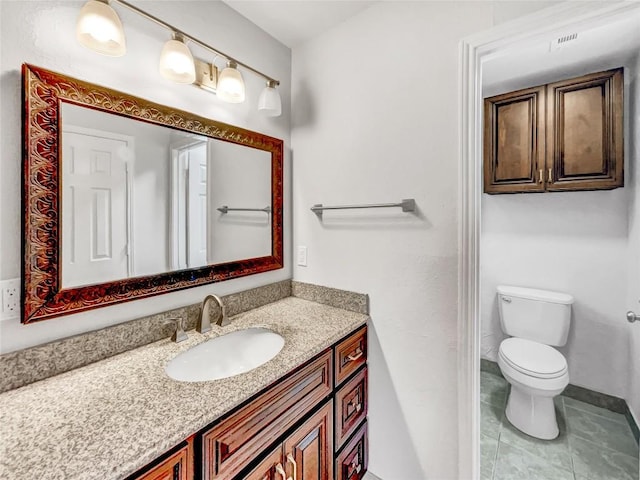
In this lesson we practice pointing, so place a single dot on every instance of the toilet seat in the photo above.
(532, 358)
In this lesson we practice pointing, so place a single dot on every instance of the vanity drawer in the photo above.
(230, 445)
(351, 353)
(177, 466)
(351, 462)
(351, 406)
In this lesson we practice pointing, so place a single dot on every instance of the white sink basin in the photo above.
(226, 356)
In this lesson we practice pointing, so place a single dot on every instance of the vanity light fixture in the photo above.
(176, 61)
(269, 102)
(100, 29)
(230, 84)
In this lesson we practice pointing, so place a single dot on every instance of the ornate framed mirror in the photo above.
(125, 198)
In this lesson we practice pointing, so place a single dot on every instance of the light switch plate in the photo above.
(302, 256)
(10, 290)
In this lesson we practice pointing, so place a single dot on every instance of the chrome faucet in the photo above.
(204, 322)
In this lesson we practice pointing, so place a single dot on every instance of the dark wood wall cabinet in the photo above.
(561, 136)
(309, 425)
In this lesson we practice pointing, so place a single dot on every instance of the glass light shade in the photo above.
(230, 84)
(99, 28)
(176, 62)
(269, 103)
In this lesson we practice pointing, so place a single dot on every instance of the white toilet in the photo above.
(536, 321)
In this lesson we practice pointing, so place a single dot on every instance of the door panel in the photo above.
(585, 132)
(95, 207)
(514, 142)
(309, 450)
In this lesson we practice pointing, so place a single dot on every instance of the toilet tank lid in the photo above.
(535, 294)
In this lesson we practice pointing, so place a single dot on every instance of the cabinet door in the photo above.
(514, 136)
(585, 132)
(309, 450)
(178, 466)
(271, 468)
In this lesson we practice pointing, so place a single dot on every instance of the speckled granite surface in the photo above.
(106, 420)
(354, 302)
(30, 365)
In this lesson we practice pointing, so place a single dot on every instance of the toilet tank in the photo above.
(539, 315)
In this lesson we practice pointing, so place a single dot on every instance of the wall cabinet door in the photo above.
(566, 135)
(309, 450)
(585, 132)
(514, 153)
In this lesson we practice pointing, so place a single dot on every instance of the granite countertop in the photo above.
(110, 418)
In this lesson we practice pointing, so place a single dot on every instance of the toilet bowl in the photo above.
(536, 320)
(537, 373)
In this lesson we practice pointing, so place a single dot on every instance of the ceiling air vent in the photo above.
(562, 42)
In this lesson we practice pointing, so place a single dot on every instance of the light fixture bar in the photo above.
(173, 29)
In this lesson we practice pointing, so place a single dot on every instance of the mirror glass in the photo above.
(124, 198)
(142, 199)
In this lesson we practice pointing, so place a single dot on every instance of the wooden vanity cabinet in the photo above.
(561, 136)
(233, 443)
(306, 454)
(177, 464)
(309, 425)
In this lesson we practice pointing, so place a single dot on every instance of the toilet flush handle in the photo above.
(632, 317)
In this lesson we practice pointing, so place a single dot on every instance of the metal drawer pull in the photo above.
(355, 404)
(540, 177)
(295, 465)
(281, 471)
(356, 466)
(355, 356)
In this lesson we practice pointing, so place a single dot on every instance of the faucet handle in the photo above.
(223, 320)
(179, 335)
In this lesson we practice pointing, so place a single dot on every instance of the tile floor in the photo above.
(594, 443)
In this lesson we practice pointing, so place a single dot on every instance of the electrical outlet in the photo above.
(10, 290)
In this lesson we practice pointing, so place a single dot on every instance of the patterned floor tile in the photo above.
(491, 419)
(515, 464)
(601, 430)
(587, 407)
(493, 389)
(555, 452)
(488, 451)
(593, 462)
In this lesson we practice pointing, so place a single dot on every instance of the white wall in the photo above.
(375, 120)
(43, 33)
(633, 300)
(240, 178)
(574, 242)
